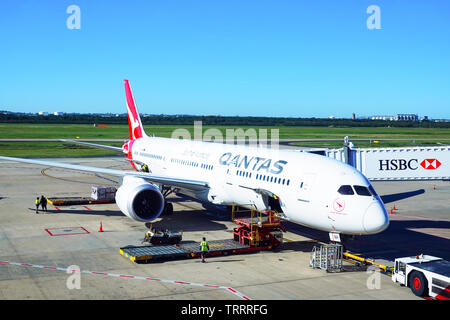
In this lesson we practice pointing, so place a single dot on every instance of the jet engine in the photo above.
(139, 200)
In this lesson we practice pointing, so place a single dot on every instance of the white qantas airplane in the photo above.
(308, 189)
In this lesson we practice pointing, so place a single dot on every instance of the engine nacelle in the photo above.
(139, 200)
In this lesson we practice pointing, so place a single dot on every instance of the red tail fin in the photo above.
(134, 121)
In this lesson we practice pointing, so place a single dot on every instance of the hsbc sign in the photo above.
(415, 163)
(397, 164)
(408, 164)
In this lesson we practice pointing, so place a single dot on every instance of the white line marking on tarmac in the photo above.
(227, 289)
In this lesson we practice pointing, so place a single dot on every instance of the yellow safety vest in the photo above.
(204, 246)
(37, 201)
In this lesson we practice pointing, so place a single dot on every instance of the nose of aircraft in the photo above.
(376, 218)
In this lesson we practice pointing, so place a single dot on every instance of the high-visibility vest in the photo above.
(37, 201)
(204, 246)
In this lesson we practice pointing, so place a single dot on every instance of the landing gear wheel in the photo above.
(418, 283)
(168, 208)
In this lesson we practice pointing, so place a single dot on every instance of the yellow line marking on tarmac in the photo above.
(44, 174)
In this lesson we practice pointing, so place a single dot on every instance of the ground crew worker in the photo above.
(144, 168)
(44, 203)
(204, 248)
(37, 204)
(148, 235)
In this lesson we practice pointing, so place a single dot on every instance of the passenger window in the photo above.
(346, 190)
(362, 191)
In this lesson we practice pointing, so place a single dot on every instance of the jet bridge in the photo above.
(399, 163)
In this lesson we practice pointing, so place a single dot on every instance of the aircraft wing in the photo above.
(168, 181)
(93, 145)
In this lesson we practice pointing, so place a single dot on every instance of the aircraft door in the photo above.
(400, 270)
(274, 203)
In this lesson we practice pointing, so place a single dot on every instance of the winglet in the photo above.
(134, 121)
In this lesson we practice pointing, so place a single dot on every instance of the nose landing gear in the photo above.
(341, 238)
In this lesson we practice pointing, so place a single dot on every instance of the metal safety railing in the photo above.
(254, 221)
(327, 257)
(256, 217)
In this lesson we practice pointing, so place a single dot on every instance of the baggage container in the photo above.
(103, 192)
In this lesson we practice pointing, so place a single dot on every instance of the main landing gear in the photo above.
(168, 206)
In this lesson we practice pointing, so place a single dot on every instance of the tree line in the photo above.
(213, 120)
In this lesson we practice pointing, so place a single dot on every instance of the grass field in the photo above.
(72, 131)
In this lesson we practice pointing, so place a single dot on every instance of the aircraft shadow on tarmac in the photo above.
(62, 210)
(398, 240)
(303, 246)
(186, 220)
(190, 220)
(388, 198)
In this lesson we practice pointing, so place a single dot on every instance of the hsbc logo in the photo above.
(398, 164)
(405, 164)
(430, 164)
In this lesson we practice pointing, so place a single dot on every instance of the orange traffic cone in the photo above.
(390, 211)
(434, 187)
(394, 208)
(101, 227)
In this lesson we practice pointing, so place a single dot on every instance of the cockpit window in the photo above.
(346, 190)
(362, 191)
(372, 191)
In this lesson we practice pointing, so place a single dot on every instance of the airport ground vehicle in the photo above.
(427, 276)
(258, 231)
(163, 237)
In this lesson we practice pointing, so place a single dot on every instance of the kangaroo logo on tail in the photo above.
(134, 121)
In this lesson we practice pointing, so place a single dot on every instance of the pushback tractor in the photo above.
(427, 276)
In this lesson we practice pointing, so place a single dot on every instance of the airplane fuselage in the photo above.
(305, 188)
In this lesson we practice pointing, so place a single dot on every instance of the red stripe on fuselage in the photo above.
(129, 147)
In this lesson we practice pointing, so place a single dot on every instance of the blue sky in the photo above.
(236, 57)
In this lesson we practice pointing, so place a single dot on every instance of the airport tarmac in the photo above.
(33, 261)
